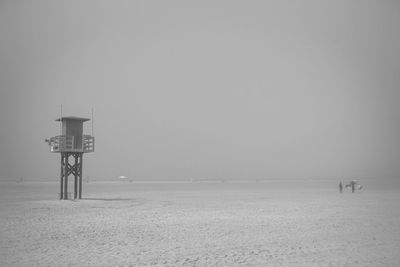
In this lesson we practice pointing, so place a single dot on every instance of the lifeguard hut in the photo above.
(72, 143)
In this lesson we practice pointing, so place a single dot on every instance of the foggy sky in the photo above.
(204, 89)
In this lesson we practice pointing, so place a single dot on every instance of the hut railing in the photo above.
(67, 143)
(88, 143)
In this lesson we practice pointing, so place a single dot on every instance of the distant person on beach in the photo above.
(353, 186)
(340, 187)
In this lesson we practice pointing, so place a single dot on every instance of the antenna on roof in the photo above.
(92, 123)
(60, 119)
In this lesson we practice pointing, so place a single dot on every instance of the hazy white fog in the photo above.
(205, 89)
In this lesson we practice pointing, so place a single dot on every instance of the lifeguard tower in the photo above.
(72, 143)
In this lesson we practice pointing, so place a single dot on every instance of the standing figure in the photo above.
(340, 187)
(353, 186)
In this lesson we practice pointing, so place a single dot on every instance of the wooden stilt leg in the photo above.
(75, 177)
(61, 175)
(80, 175)
(66, 177)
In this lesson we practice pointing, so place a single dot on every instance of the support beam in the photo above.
(61, 176)
(80, 175)
(66, 174)
(75, 176)
(71, 168)
(66, 187)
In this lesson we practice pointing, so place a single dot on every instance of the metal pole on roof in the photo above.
(92, 122)
(60, 120)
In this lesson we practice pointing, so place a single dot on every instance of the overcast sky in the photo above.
(204, 89)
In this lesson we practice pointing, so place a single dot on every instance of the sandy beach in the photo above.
(305, 223)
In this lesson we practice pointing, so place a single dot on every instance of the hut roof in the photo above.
(72, 118)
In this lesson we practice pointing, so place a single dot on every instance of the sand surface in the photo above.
(304, 223)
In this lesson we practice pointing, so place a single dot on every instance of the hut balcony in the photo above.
(70, 143)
